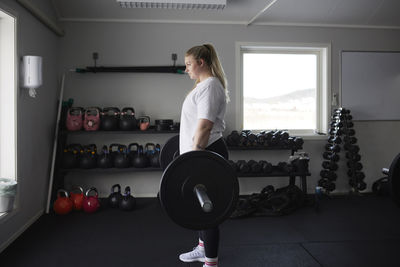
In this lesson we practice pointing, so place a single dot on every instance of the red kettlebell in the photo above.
(144, 123)
(91, 203)
(74, 119)
(62, 205)
(91, 121)
(77, 198)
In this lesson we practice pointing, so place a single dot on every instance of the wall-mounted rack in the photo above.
(144, 69)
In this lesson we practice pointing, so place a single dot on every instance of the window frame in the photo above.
(11, 52)
(323, 94)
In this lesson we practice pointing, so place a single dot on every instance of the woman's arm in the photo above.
(202, 134)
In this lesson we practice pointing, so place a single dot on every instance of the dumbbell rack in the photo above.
(286, 143)
(342, 126)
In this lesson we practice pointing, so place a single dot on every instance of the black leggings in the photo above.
(210, 237)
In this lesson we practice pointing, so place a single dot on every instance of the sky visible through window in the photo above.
(279, 91)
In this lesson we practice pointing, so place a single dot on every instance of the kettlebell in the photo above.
(113, 151)
(63, 205)
(91, 203)
(76, 198)
(91, 121)
(127, 121)
(115, 197)
(150, 151)
(144, 123)
(121, 159)
(104, 159)
(128, 202)
(155, 160)
(139, 158)
(132, 150)
(74, 120)
(70, 157)
(88, 157)
(109, 118)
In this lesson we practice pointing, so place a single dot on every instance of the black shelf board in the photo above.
(148, 131)
(140, 69)
(113, 170)
(261, 148)
(273, 174)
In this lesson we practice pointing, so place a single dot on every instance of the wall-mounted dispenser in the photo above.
(31, 73)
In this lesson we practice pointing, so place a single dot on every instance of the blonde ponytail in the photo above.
(208, 53)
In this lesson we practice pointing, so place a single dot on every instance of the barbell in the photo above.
(198, 189)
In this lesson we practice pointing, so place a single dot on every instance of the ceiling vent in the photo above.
(174, 4)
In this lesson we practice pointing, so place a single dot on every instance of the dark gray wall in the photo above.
(161, 95)
(36, 118)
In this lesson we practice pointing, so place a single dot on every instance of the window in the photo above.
(8, 93)
(284, 86)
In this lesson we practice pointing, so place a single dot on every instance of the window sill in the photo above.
(7, 215)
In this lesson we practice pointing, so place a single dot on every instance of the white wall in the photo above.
(36, 119)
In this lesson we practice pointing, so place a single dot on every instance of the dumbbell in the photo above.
(233, 139)
(298, 141)
(337, 124)
(265, 166)
(354, 165)
(335, 131)
(330, 175)
(349, 124)
(350, 139)
(233, 165)
(341, 111)
(349, 132)
(255, 167)
(353, 156)
(275, 138)
(334, 140)
(328, 185)
(260, 138)
(331, 156)
(330, 165)
(357, 175)
(243, 166)
(351, 148)
(252, 139)
(285, 167)
(332, 148)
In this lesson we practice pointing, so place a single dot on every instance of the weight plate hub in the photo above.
(177, 189)
(394, 179)
(169, 151)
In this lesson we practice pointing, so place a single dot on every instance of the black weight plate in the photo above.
(394, 179)
(186, 171)
(169, 151)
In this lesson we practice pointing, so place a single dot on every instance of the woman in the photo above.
(202, 124)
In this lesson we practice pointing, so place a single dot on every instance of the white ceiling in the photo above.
(329, 13)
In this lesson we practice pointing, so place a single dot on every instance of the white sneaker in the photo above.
(197, 254)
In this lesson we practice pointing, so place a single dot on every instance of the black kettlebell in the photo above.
(153, 154)
(88, 157)
(109, 118)
(70, 158)
(104, 159)
(121, 159)
(113, 151)
(127, 121)
(139, 158)
(115, 197)
(128, 202)
(149, 151)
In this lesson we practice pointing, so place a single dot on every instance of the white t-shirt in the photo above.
(206, 101)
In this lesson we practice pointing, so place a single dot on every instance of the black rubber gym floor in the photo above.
(348, 231)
